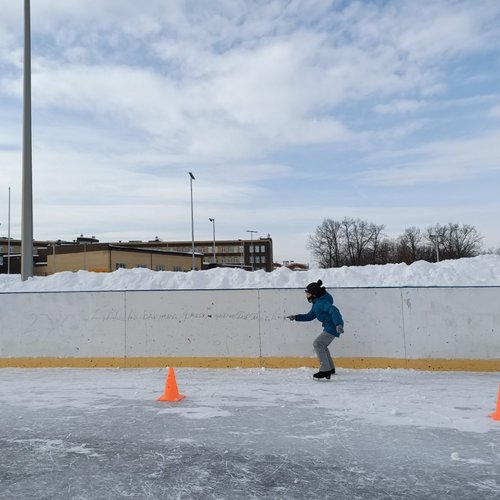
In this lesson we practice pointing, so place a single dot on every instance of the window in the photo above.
(230, 259)
(142, 266)
(177, 269)
(159, 267)
(120, 265)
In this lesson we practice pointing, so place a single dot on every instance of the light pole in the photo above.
(191, 179)
(27, 179)
(435, 239)
(213, 227)
(252, 253)
(8, 239)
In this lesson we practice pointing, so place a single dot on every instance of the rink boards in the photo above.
(437, 328)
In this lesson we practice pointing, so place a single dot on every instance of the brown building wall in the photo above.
(129, 260)
(108, 260)
(15, 246)
(229, 252)
(95, 256)
(174, 262)
(153, 261)
(96, 260)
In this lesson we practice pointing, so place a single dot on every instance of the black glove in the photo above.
(340, 329)
(291, 318)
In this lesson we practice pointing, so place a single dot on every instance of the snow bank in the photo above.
(478, 271)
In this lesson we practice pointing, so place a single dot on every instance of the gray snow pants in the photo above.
(320, 345)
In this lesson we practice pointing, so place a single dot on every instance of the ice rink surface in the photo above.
(248, 433)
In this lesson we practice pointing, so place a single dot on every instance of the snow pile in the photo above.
(478, 271)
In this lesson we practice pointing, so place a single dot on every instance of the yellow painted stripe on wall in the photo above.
(428, 364)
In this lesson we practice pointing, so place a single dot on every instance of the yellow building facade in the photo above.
(103, 257)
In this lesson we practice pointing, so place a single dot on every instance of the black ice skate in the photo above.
(321, 375)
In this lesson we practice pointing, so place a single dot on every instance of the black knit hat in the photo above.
(315, 289)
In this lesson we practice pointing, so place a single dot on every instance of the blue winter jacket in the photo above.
(323, 310)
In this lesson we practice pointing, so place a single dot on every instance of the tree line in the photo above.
(356, 242)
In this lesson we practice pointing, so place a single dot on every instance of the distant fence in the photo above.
(424, 328)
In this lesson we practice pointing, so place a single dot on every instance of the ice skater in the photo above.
(333, 325)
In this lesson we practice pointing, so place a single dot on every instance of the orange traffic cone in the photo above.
(496, 414)
(171, 392)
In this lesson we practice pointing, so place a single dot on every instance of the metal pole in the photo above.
(8, 239)
(27, 184)
(191, 179)
(252, 253)
(213, 226)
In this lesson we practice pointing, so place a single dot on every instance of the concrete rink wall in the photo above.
(425, 328)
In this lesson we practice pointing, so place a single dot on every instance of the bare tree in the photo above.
(455, 241)
(409, 245)
(361, 240)
(355, 242)
(491, 251)
(325, 244)
(386, 252)
(465, 241)
(379, 246)
(349, 242)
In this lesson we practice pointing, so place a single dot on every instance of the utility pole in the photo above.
(191, 179)
(27, 181)
(213, 224)
(8, 238)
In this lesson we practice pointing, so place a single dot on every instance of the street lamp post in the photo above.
(8, 239)
(252, 253)
(27, 179)
(191, 179)
(213, 227)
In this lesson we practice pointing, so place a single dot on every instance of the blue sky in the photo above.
(287, 113)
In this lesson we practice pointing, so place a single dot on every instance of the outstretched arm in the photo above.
(305, 317)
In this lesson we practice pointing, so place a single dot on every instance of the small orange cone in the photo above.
(171, 392)
(496, 414)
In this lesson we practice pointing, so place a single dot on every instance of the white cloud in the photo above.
(241, 79)
(399, 106)
(495, 111)
(440, 161)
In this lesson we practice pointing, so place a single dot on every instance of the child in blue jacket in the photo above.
(333, 325)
